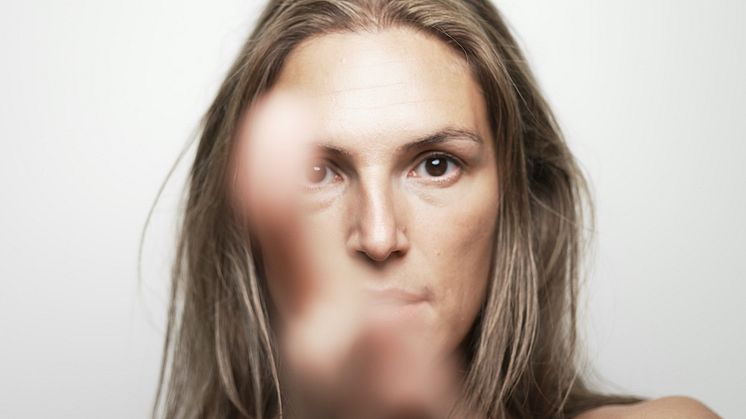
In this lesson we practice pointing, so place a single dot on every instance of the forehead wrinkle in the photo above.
(406, 102)
(357, 89)
(375, 74)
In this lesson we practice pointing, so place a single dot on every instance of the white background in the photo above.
(97, 98)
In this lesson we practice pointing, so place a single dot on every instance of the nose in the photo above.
(378, 231)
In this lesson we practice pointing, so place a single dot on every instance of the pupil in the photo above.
(316, 174)
(435, 166)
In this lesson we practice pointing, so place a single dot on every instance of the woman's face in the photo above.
(402, 189)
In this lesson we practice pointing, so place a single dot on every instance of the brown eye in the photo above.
(320, 174)
(316, 173)
(436, 166)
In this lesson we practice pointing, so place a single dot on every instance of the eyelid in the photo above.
(445, 154)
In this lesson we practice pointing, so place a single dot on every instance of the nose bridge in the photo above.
(378, 226)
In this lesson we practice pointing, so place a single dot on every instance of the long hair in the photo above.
(220, 357)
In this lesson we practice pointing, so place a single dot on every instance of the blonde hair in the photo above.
(220, 359)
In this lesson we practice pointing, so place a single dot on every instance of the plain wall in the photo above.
(98, 98)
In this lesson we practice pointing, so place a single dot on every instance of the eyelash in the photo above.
(459, 166)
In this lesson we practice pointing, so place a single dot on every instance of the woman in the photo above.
(427, 263)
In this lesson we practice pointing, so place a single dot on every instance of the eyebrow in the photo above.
(437, 137)
(441, 136)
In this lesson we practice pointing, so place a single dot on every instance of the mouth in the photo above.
(395, 296)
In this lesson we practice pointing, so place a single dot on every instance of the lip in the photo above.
(395, 296)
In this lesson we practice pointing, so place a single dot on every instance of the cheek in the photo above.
(459, 252)
(462, 251)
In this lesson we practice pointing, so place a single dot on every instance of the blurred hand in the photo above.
(344, 357)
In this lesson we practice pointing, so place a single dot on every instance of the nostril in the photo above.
(376, 252)
(379, 248)
(376, 258)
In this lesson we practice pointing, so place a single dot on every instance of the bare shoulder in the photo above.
(682, 407)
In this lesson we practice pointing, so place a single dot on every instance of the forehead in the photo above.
(377, 89)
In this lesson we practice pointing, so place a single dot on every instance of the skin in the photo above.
(665, 407)
(375, 209)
